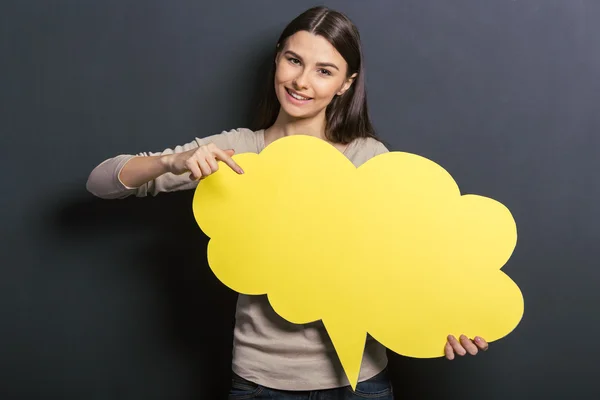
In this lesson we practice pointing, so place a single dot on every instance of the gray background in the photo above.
(504, 94)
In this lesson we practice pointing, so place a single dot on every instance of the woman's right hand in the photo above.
(200, 162)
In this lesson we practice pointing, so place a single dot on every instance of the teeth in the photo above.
(294, 95)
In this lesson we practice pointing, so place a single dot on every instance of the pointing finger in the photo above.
(226, 158)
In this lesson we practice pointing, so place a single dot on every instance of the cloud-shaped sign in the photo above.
(391, 248)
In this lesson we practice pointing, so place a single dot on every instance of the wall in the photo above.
(503, 94)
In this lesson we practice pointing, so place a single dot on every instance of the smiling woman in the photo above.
(318, 73)
(316, 88)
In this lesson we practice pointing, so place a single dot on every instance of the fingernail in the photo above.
(241, 171)
(463, 337)
(477, 339)
(450, 337)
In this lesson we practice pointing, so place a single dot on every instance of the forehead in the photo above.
(314, 48)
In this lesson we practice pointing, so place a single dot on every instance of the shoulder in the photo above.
(242, 140)
(360, 150)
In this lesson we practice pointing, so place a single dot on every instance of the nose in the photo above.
(301, 81)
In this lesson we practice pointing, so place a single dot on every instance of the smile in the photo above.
(297, 96)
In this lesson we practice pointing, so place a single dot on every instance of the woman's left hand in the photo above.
(464, 345)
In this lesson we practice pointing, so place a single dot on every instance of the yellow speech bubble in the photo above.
(390, 248)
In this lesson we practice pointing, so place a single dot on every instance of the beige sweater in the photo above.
(267, 349)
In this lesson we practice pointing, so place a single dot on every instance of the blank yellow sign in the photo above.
(391, 248)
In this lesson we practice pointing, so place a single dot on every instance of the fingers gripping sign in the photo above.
(463, 346)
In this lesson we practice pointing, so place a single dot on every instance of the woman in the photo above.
(316, 87)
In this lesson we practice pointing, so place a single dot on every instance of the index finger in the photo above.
(222, 156)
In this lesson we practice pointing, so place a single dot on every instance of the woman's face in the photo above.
(309, 73)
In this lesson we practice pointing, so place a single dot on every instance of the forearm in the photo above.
(142, 169)
(124, 175)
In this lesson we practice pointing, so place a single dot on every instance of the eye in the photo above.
(293, 60)
(324, 71)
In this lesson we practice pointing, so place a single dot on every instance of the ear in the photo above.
(347, 84)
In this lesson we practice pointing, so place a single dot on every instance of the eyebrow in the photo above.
(319, 64)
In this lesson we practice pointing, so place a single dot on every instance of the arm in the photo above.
(139, 170)
(152, 173)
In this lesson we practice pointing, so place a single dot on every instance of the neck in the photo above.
(287, 126)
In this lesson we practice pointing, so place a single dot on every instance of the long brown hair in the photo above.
(347, 116)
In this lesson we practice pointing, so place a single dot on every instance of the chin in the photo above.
(295, 113)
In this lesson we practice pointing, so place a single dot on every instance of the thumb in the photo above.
(229, 152)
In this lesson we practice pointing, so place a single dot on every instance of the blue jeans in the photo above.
(378, 387)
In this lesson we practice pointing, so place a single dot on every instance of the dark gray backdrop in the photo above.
(504, 94)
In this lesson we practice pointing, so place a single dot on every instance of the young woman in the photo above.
(316, 87)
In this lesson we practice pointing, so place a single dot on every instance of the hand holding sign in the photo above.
(390, 248)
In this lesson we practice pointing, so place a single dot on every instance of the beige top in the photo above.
(267, 349)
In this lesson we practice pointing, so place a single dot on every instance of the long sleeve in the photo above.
(104, 180)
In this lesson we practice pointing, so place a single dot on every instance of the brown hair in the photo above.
(347, 116)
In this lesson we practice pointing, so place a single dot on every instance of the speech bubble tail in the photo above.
(349, 344)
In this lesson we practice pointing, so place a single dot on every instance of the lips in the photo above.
(297, 96)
